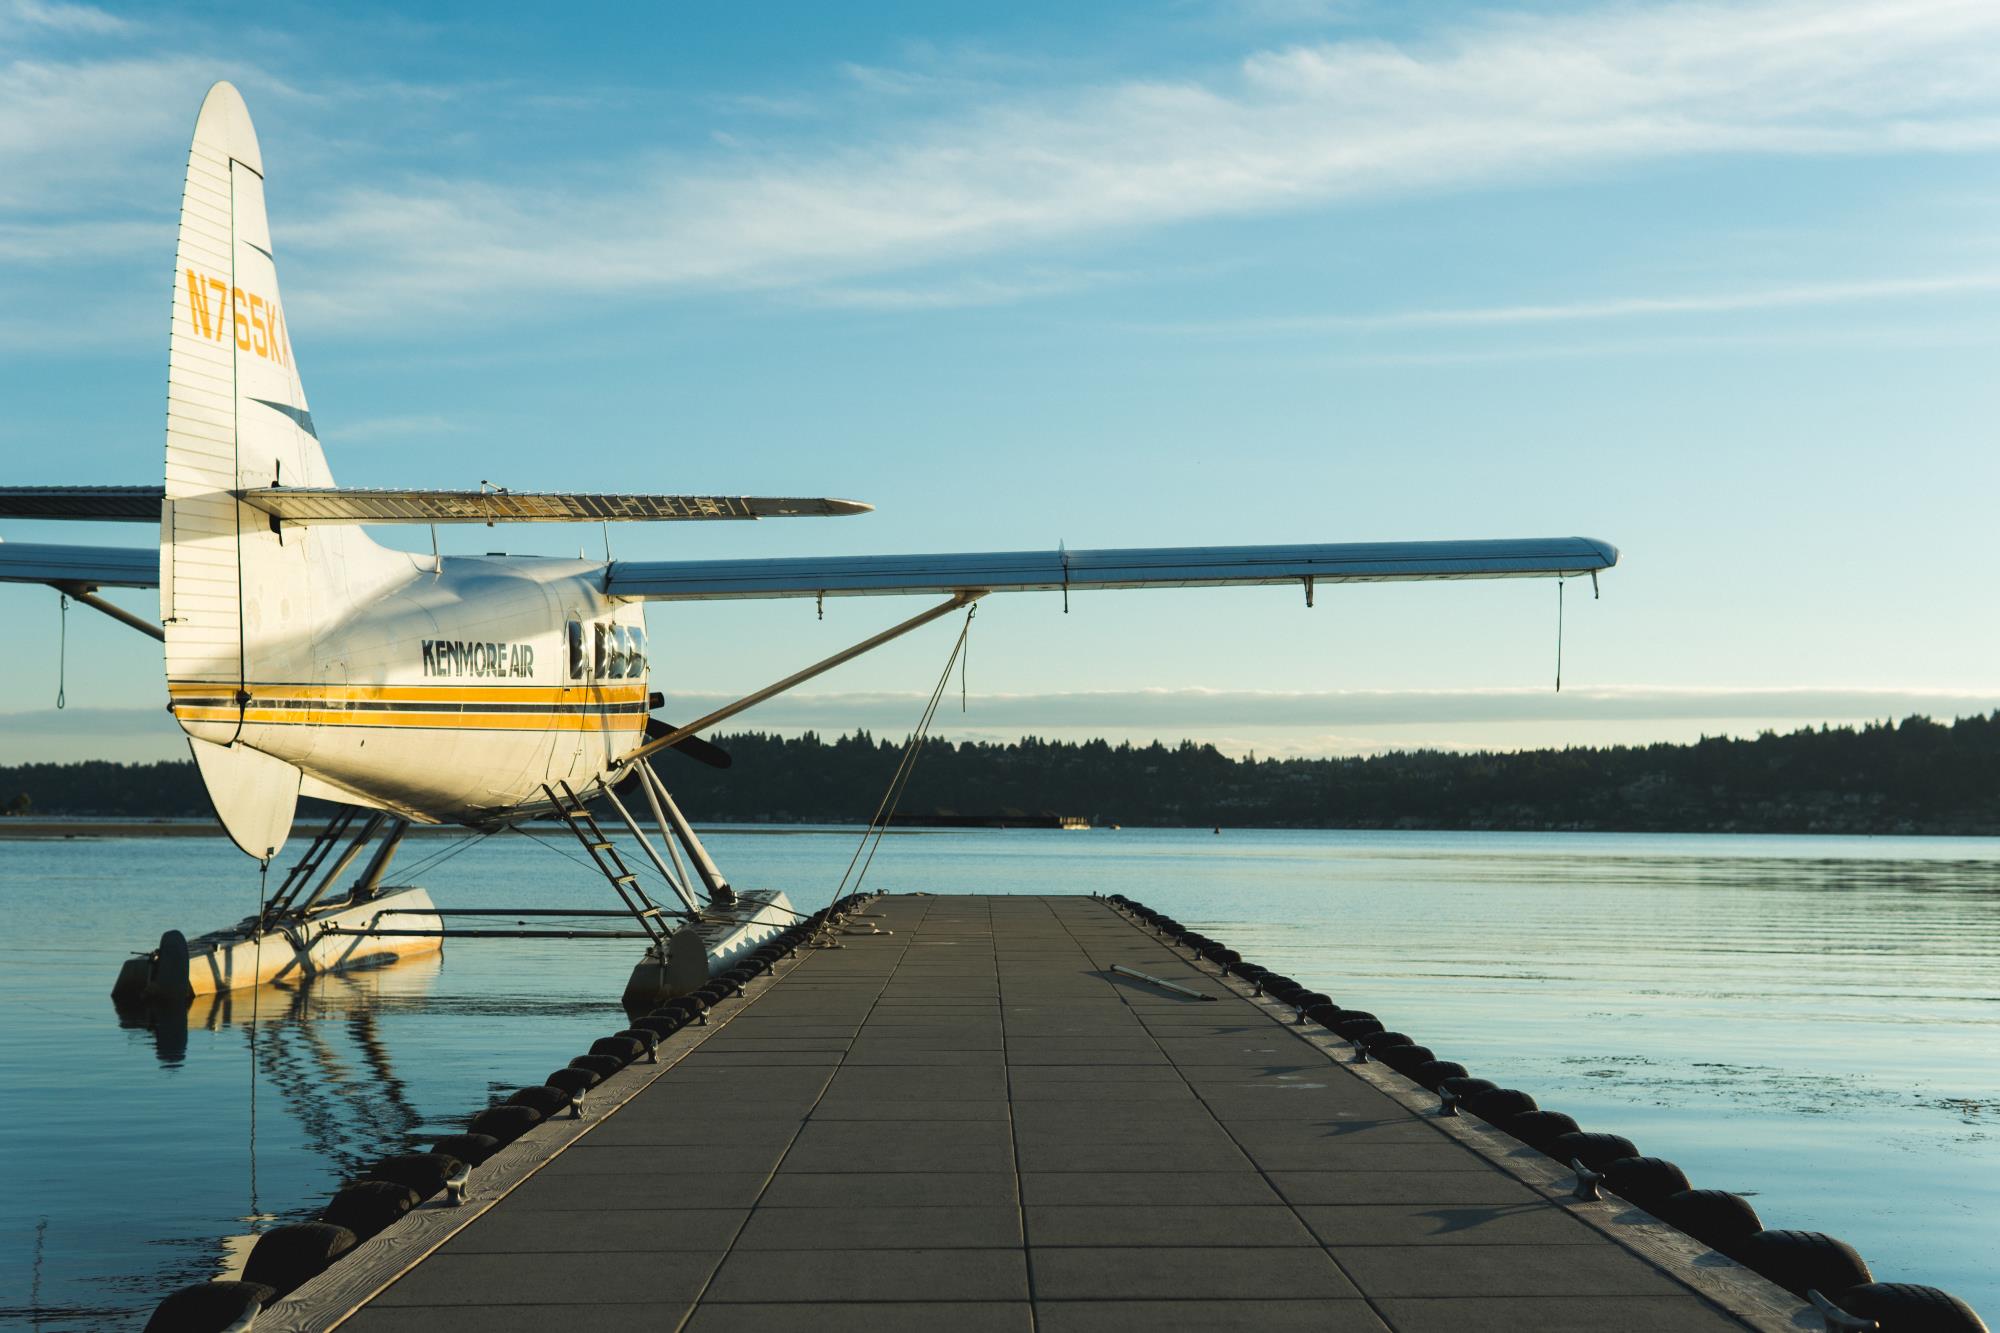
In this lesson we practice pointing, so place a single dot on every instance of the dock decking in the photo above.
(971, 1124)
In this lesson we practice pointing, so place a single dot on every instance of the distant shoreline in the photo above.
(16, 829)
(1914, 778)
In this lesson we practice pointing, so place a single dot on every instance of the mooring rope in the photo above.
(438, 858)
(567, 856)
(62, 648)
(256, 993)
(1560, 582)
(899, 781)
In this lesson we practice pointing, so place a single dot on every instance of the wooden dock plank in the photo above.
(968, 1120)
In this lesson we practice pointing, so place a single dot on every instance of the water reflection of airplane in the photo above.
(316, 1042)
(346, 1095)
(287, 1026)
(305, 659)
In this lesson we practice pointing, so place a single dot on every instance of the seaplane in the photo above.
(304, 659)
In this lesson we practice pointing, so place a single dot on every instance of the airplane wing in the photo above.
(88, 566)
(1141, 567)
(1000, 571)
(346, 504)
(100, 504)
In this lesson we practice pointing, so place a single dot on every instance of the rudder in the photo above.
(235, 595)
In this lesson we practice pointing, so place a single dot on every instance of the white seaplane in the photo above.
(304, 659)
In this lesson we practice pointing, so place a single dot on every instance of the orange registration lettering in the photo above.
(198, 312)
(260, 338)
(258, 322)
(221, 290)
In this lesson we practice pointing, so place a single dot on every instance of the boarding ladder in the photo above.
(299, 893)
(309, 864)
(572, 810)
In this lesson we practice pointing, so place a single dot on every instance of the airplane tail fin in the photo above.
(240, 598)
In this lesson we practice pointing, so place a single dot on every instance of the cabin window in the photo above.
(619, 652)
(635, 665)
(576, 659)
(601, 635)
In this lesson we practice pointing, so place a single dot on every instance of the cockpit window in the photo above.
(615, 652)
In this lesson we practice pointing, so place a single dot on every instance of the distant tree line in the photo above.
(1917, 776)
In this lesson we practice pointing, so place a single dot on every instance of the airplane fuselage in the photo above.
(452, 693)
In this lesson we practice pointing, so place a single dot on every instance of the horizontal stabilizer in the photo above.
(354, 505)
(89, 566)
(101, 504)
(1142, 567)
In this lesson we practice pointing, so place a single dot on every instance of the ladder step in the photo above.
(591, 834)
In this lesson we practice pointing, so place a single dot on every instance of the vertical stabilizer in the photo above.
(236, 409)
(236, 595)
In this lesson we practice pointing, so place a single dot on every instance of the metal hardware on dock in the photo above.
(1163, 984)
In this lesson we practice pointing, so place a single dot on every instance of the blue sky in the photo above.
(1717, 283)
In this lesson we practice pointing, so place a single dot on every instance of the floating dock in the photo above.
(970, 1121)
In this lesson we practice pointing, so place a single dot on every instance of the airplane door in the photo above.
(567, 757)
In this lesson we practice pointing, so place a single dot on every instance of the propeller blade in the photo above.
(694, 747)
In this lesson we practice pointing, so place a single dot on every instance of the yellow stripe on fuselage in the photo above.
(562, 708)
(594, 722)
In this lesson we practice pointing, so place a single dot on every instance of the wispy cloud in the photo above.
(49, 736)
(1872, 334)
(76, 133)
(1195, 710)
(1009, 157)
(369, 430)
(1497, 100)
(1253, 14)
(63, 18)
(1636, 307)
(954, 291)
(84, 240)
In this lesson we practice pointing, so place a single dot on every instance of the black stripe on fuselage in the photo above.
(408, 706)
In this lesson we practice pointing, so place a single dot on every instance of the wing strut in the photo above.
(82, 592)
(748, 701)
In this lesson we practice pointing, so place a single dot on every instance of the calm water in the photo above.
(1814, 1021)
